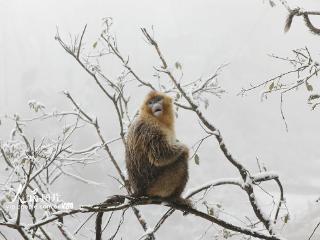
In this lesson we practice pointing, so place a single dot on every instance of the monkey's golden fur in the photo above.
(157, 164)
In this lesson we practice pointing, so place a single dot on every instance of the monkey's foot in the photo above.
(186, 202)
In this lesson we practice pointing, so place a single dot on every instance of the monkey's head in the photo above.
(158, 106)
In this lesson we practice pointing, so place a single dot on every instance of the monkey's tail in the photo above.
(112, 201)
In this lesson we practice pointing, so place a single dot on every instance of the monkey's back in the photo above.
(141, 172)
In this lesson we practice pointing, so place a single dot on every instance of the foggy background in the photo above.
(201, 35)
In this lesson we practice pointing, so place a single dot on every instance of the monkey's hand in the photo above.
(162, 153)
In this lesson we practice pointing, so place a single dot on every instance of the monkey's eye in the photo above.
(155, 100)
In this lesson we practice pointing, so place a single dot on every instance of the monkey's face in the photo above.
(159, 106)
(156, 106)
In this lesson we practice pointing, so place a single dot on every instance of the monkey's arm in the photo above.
(162, 153)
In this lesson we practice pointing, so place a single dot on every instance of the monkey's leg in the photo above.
(171, 182)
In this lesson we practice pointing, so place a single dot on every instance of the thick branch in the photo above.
(305, 14)
(127, 201)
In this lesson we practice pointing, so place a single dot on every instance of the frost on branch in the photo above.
(48, 160)
(301, 75)
(36, 106)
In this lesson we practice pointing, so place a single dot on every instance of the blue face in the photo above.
(156, 105)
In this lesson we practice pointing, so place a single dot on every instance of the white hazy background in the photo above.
(200, 35)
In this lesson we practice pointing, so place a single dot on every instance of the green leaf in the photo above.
(211, 211)
(206, 103)
(226, 234)
(8, 197)
(3, 201)
(271, 86)
(309, 87)
(272, 4)
(197, 159)
(286, 218)
(313, 97)
(94, 44)
(65, 130)
(178, 65)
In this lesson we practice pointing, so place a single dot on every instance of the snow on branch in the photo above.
(34, 166)
(193, 106)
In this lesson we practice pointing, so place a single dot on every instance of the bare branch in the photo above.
(242, 170)
(305, 14)
(80, 42)
(314, 230)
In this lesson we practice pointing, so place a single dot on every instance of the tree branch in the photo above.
(242, 170)
(124, 202)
